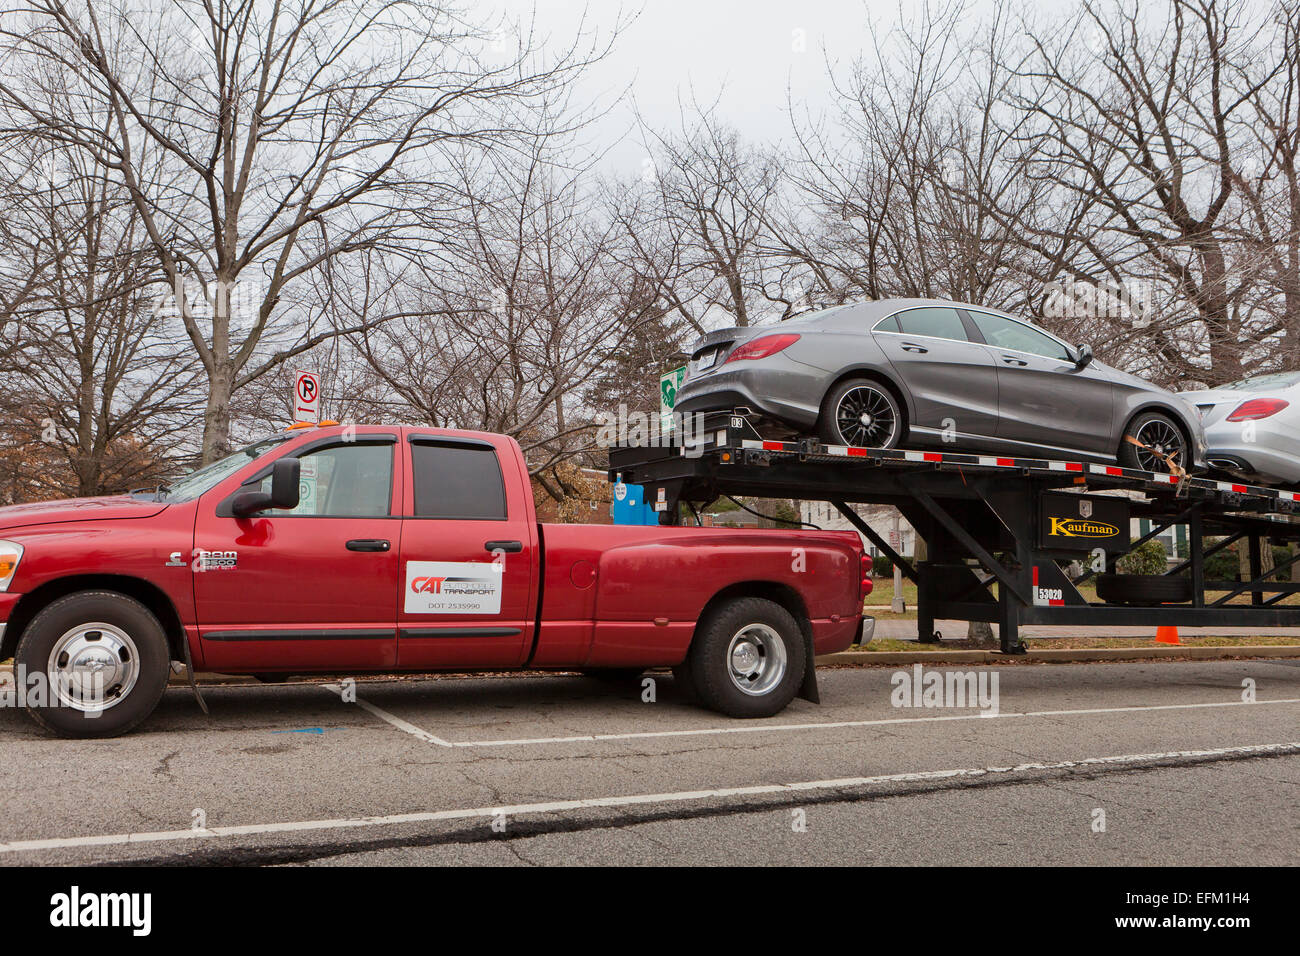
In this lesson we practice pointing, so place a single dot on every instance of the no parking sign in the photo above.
(306, 397)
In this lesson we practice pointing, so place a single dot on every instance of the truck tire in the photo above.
(747, 658)
(104, 662)
(1145, 589)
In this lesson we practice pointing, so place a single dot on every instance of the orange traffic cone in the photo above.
(1166, 635)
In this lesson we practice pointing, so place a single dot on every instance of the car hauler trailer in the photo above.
(1011, 522)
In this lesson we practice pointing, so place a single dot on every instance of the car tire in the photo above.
(750, 643)
(94, 632)
(842, 420)
(1144, 589)
(1156, 430)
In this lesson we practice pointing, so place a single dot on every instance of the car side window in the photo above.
(887, 325)
(344, 481)
(1006, 333)
(936, 323)
(457, 481)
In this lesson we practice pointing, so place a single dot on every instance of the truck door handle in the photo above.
(509, 547)
(913, 347)
(368, 544)
(1008, 360)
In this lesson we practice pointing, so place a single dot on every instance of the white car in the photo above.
(1252, 427)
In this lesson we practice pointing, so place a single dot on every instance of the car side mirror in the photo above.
(285, 476)
(1082, 356)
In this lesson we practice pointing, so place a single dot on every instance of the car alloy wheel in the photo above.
(866, 417)
(1158, 439)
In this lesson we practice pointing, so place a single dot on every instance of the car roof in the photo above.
(871, 309)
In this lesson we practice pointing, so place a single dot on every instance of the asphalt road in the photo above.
(561, 769)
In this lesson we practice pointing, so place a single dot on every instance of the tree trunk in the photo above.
(216, 414)
(981, 632)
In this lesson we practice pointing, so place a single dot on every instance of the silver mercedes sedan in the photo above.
(1253, 426)
(928, 373)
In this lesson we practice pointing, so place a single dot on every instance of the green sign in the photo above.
(669, 383)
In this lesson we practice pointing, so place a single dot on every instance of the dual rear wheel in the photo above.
(747, 659)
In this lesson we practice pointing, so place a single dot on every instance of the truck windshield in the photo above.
(197, 482)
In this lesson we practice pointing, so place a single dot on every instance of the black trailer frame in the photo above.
(980, 518)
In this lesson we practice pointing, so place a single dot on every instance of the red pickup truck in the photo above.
(368, 548)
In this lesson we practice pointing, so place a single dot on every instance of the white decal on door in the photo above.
(452, 587)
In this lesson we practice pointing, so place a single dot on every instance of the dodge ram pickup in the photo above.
(348, 549)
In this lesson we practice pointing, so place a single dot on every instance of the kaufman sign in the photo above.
(1082, 523)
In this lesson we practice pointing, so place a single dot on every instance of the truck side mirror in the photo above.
(285, 476)
(1082, 356)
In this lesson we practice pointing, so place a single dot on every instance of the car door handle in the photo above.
(1008, 360)
(368, 544)
(509, 547)
(913, 347)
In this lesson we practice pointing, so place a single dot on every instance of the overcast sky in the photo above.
(743, 54)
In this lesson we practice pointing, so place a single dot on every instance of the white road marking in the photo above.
(754, 728)
(680, 796)
(397, 722)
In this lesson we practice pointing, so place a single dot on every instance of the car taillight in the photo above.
(867, 584)
(1257, 408)
(762, 347)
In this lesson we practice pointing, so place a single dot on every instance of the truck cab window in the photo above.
(344, 481)
(457, 481)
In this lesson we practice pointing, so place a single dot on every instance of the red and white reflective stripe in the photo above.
(990, 461)
(1106, 470)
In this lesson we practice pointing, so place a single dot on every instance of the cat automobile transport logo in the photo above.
(452, 587)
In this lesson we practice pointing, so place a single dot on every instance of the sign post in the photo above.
(306, 397)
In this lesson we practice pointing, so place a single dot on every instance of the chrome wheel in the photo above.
(866, 417)
(93, 667)
(1158, 439)
(756, 659)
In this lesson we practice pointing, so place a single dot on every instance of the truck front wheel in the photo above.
(92, 664)
(747, 658)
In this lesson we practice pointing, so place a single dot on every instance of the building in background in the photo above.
(880, 518)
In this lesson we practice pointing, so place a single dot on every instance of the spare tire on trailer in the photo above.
(1144, 589)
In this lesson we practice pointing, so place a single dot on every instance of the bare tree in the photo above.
(104, 384)
(1137, 117)
(520, 313)
(263, 143)
(694, 224)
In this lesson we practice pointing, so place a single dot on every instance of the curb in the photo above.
(1058, 656)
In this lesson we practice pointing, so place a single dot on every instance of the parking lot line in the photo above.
(396, 721)
(754, 728)
(681, 796)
